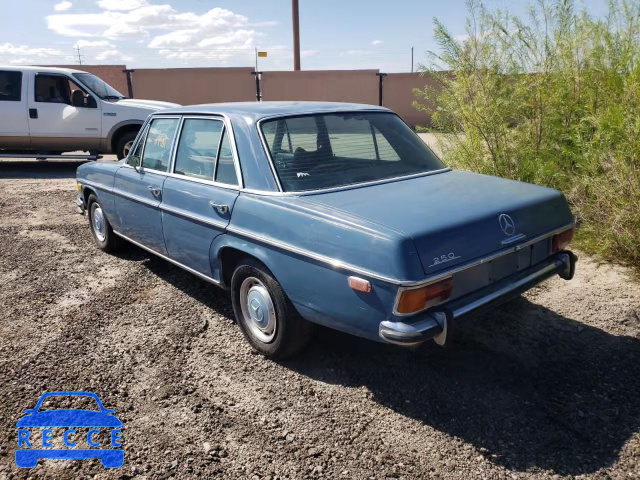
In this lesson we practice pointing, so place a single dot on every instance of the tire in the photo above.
(274, 329)
(125, 142)
(101, 230)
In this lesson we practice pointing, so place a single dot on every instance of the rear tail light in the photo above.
(413, 300)
(562, 240)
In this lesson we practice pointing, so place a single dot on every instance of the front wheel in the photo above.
(264, 313)
(101, 229)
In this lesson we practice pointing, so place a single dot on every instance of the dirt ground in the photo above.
(547, 386)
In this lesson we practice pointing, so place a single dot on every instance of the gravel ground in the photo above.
(547, 386)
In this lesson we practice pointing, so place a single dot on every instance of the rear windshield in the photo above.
(333, 150)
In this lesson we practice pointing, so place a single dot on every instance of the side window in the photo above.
(157, 149)
(52, 89)
(79, 97)
(198, 148)
(134, 157)
(10, 86)
(226, 171)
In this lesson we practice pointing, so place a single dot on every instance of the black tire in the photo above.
(103, 235)
(291, 331)
(121, 144)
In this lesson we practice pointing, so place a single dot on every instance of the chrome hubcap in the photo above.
(98, 223)
(258, 310)
(127, 148)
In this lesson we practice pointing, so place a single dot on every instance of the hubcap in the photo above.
(127, 148)
(98, 223)
(257, 309)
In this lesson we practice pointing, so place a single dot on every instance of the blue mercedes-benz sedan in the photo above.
(327, 213)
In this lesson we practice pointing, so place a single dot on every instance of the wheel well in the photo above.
(86, 192)
(230, 258)
(121, 131)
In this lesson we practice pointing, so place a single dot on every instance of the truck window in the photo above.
(10, 86)
(52, 89)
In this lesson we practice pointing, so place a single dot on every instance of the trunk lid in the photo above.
(454, 217)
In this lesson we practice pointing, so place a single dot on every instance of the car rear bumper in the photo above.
(433, 323)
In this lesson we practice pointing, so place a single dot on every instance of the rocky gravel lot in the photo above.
(548, 386)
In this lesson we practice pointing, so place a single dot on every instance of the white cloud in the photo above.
(308, 53)
(62, 6)
(11, 49)
(121, 4)
(354, 52)
(92, 44)
(377, 42)
(113, 54)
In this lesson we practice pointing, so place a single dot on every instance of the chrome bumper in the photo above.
(80, 204)
(434, 324)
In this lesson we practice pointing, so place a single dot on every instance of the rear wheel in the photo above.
(101, 229)
(264, 313)
(125, 142)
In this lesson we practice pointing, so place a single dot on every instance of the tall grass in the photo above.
(553, 99)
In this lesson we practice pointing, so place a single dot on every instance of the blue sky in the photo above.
(335, 34)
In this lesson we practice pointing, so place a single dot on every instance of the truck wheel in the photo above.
(265, 315)
(103, 235)
(125, 142)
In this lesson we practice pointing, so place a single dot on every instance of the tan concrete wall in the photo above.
(357, 86)
(112, 74)
(189, 86)
(398, 96)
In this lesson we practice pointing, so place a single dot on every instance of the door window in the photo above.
(157, 150)
(226, 170)
(52, 89)
(10, 86)
(198, 148)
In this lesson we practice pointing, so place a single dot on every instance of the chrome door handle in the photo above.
(156, 192)
(219, 207)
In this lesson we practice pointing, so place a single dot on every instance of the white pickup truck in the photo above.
(45, 111)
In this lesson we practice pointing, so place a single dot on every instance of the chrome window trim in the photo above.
(406, 284)
(274, 172)
(178, 264)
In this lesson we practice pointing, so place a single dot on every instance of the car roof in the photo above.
(25, 68)
(257, 110)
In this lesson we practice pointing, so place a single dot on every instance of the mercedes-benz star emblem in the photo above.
(506, 224)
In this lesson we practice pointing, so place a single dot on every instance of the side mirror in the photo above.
(29, 410)
(91, 102)
(134, 161)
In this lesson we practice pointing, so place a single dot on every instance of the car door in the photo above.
(199, 194)
(60, 118)
(138, 185)
(14, 127)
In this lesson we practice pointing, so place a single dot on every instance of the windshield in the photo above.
(98, 86)
(313, 152)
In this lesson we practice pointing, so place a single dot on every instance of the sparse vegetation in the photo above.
(554, 99)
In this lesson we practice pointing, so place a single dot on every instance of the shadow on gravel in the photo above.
(527, 387)
(39, 169)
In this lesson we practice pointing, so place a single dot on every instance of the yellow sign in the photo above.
(262, 54)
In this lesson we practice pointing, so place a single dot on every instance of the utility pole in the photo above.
(79, 55)
(296, 34)
(411, 59)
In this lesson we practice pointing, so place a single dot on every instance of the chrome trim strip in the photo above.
(135, 198)
(178, 264)
(192, 216)
(332, 189)
(334, 263)
(95, 185)
(513, 239)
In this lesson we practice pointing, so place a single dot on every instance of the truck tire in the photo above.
(124, 144)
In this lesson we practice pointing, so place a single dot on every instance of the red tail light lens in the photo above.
(415, 299)
(562, 240)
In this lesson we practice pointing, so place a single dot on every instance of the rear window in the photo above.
(313, 152)
(10, 86)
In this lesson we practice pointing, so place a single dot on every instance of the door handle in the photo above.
(156, 192)
(33, 113)
(219, 207)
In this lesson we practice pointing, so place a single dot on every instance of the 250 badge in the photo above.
(443, 258)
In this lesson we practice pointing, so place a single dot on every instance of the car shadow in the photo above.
(39, 168)
(528, 387)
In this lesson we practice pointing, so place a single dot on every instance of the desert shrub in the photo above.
(553, 99)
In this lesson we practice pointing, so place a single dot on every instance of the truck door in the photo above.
(62, 115)
(14, 127)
